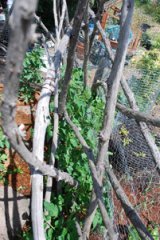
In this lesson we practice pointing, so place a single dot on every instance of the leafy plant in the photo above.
(146, 87)
(125, 138)
(27, 235)
(4, 144)
(140, 154)
(3, 156)
(133, 234)
(150, 8)
(31, 74)
(123, 131)
(86, 112)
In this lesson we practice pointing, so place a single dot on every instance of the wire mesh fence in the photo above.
(133, 162)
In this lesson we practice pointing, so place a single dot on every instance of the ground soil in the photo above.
(146, 201)
(20, 180)
(18, 172)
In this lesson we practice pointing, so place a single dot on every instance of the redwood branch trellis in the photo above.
(21, 35)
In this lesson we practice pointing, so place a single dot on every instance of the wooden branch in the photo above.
(42, 120)
(55, 20)
(71, 53)
(39, 21)
(79, 231)
(98, 199)
(64, 8)
(130, 96)
(54, 142)
(103, 34)
(89, 40)
(21, 34)
(109, 115)
(131, 99)
(128, 208)
(86, 48)
(91, 211)
(95, 178)
(138, 116)
(66, 22)
(113, 86)
(143, 126)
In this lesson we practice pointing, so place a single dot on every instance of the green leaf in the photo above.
(2, 144)
(2, 167)
(3, 157)
(49, 133)
(50, 234)
(7, 144)
(52, 209)
(64, 232)
(73, 142)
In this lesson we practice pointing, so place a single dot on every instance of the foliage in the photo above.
(140, 154)
(86, 113)
(31, 74)
(156, 41)
(146, 41)
(4, 145)
(125, 136)
(3, 156)
(27, 235)
(146, 87)
(150, 8)
(133, 234)
(150, 61)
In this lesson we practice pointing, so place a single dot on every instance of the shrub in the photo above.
(31, 74)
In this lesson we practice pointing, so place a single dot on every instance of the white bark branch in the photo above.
(21, 34)
(64, 8)
(41, 122)
(56, 20)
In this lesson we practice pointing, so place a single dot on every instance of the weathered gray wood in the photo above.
(41, 122)
(113, 86)
(21, 33)
(86, 47)
(140, 117)
(81, 7)
(143, 126)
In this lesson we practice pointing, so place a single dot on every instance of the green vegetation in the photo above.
(4, 144)
(4, 147)
(125, 136)
(150, 8)
(31, 74)
(146, 87)
(140, 154)
(86, 113)
(133, 235)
